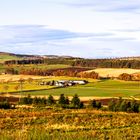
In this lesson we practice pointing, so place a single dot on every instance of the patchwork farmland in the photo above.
(63, 101)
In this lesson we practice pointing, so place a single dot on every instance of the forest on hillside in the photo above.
(80, 62)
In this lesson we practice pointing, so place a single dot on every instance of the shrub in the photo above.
(50, 100)
(5, 104)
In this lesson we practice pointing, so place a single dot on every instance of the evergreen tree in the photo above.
(50, 100)
(93, 103)
(81, 105)
(75, 101)
(135, 106)
(67, 101)
(98, 105)
(62, 99)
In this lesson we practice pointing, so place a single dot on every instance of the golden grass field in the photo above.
(114, 72)
(9, 77)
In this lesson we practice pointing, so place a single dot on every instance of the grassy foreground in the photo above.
(56, 124)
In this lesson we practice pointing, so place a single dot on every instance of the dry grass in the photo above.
(9, 77)
(114, 72)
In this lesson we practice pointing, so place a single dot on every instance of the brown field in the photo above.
(114, 72)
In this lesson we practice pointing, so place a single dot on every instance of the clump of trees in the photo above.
(37, 100)
(124, 105)
(63, 101)
(125, 76)
(116, 105)
(95, 104)
(24, 61)
(92, 74)
(129, 77)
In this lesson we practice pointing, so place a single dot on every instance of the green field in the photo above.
(39, 66)
(108, 88)
(6, 57)
(104, 88)
(99, 88)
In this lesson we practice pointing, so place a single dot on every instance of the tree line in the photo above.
(63, 101)
(72, 72)
(108, 63)
(96, 63)
(124, 105)
(116, 105)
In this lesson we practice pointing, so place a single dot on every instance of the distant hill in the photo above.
(129, 58)
(122, 62)
(5, 56)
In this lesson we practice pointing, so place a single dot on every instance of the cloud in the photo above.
(128, 30)
(13, 34)
(40, 39)
(106, 5)
(31, 34)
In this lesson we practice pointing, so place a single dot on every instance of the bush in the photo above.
(124, 105)
(26, 100)
(5, 105)
(95, 104)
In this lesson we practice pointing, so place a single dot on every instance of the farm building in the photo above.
(62, 83)
(80, 82)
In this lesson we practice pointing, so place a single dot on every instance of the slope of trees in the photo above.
(97, 63)
(72, 72)
(108, 63)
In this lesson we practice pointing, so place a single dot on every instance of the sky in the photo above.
(81, 28)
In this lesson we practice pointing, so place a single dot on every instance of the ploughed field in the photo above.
(54, 123)
(95, 88)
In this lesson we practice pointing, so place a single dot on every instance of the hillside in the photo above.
(130, 58)
(124, 62)
(7, 56)
(4, 56)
